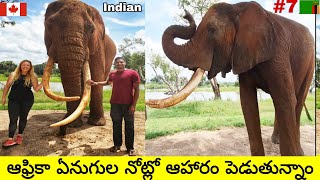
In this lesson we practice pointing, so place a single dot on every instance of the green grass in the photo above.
(3, 77)
(209, 115)
(42, 102)
(318, 98)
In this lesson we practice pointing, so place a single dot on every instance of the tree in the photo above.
(196, 7)
(204, 81)
(6, 67)
(157, 79)
(199, 8)
(169, 75)
(132, 51)
(38, 69)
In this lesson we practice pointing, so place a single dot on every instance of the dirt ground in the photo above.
(42, 140)
(88, 140)
(223, 142)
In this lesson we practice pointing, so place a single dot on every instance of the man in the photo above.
(125, 94)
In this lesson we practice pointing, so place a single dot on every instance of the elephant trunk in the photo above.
(193, 55)
(73, 61)
(70, 66)
(84, 100)
(181, 55)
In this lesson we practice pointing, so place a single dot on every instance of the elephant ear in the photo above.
(99, 30)
(255, 39)
(53, 9)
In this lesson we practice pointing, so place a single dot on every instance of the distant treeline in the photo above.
(6, 67)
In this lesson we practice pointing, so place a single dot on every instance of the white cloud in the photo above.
(107, 30)
(154, 46)
(4, 18)
(45, 6)
(24, 41)
(140, 22)
(133, 48)
(140, 34)
(318, 20)
(136, 1)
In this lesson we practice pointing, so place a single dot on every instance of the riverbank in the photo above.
(42, 102)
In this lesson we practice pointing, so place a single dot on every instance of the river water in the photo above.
(206, 96)
(57, 86)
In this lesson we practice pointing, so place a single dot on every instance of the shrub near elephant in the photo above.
(75, 39)
(266, 50)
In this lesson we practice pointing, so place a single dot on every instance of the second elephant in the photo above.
(266, 50)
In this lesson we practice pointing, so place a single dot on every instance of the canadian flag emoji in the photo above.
(13, 9)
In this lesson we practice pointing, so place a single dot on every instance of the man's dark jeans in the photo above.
(119, 111)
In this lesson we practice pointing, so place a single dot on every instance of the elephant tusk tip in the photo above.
(153, 103)
(77, 98)
(54, 125)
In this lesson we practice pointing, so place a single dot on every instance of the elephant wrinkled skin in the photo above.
(266, 50)
(75, 39)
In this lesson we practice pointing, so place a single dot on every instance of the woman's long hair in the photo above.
(30, 76)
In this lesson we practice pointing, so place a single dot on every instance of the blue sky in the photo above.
(157, 22)
(25, 39)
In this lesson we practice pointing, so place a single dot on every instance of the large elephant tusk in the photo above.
(84, 100)
(45, 81)
(181, 95)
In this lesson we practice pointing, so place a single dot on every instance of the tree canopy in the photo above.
(169, 75)
(132, 50)
(7, 67)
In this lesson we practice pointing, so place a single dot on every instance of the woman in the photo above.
(20, 99)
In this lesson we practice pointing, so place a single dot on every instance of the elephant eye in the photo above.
(90, 28)
(50, 21)
(211, 29)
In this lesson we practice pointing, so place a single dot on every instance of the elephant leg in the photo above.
(97, 72)
(275, 138)
(62, 131)
(301, 97)
(278, 76)
(96, 109)
(110, 53)
(71, 106)
(249, 104)
(100, 68)
(299, 107)
(285, 111)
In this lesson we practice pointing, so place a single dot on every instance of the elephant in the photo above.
(265, 50)
(75, 39)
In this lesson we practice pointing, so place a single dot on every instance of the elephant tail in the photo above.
(307, 112)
